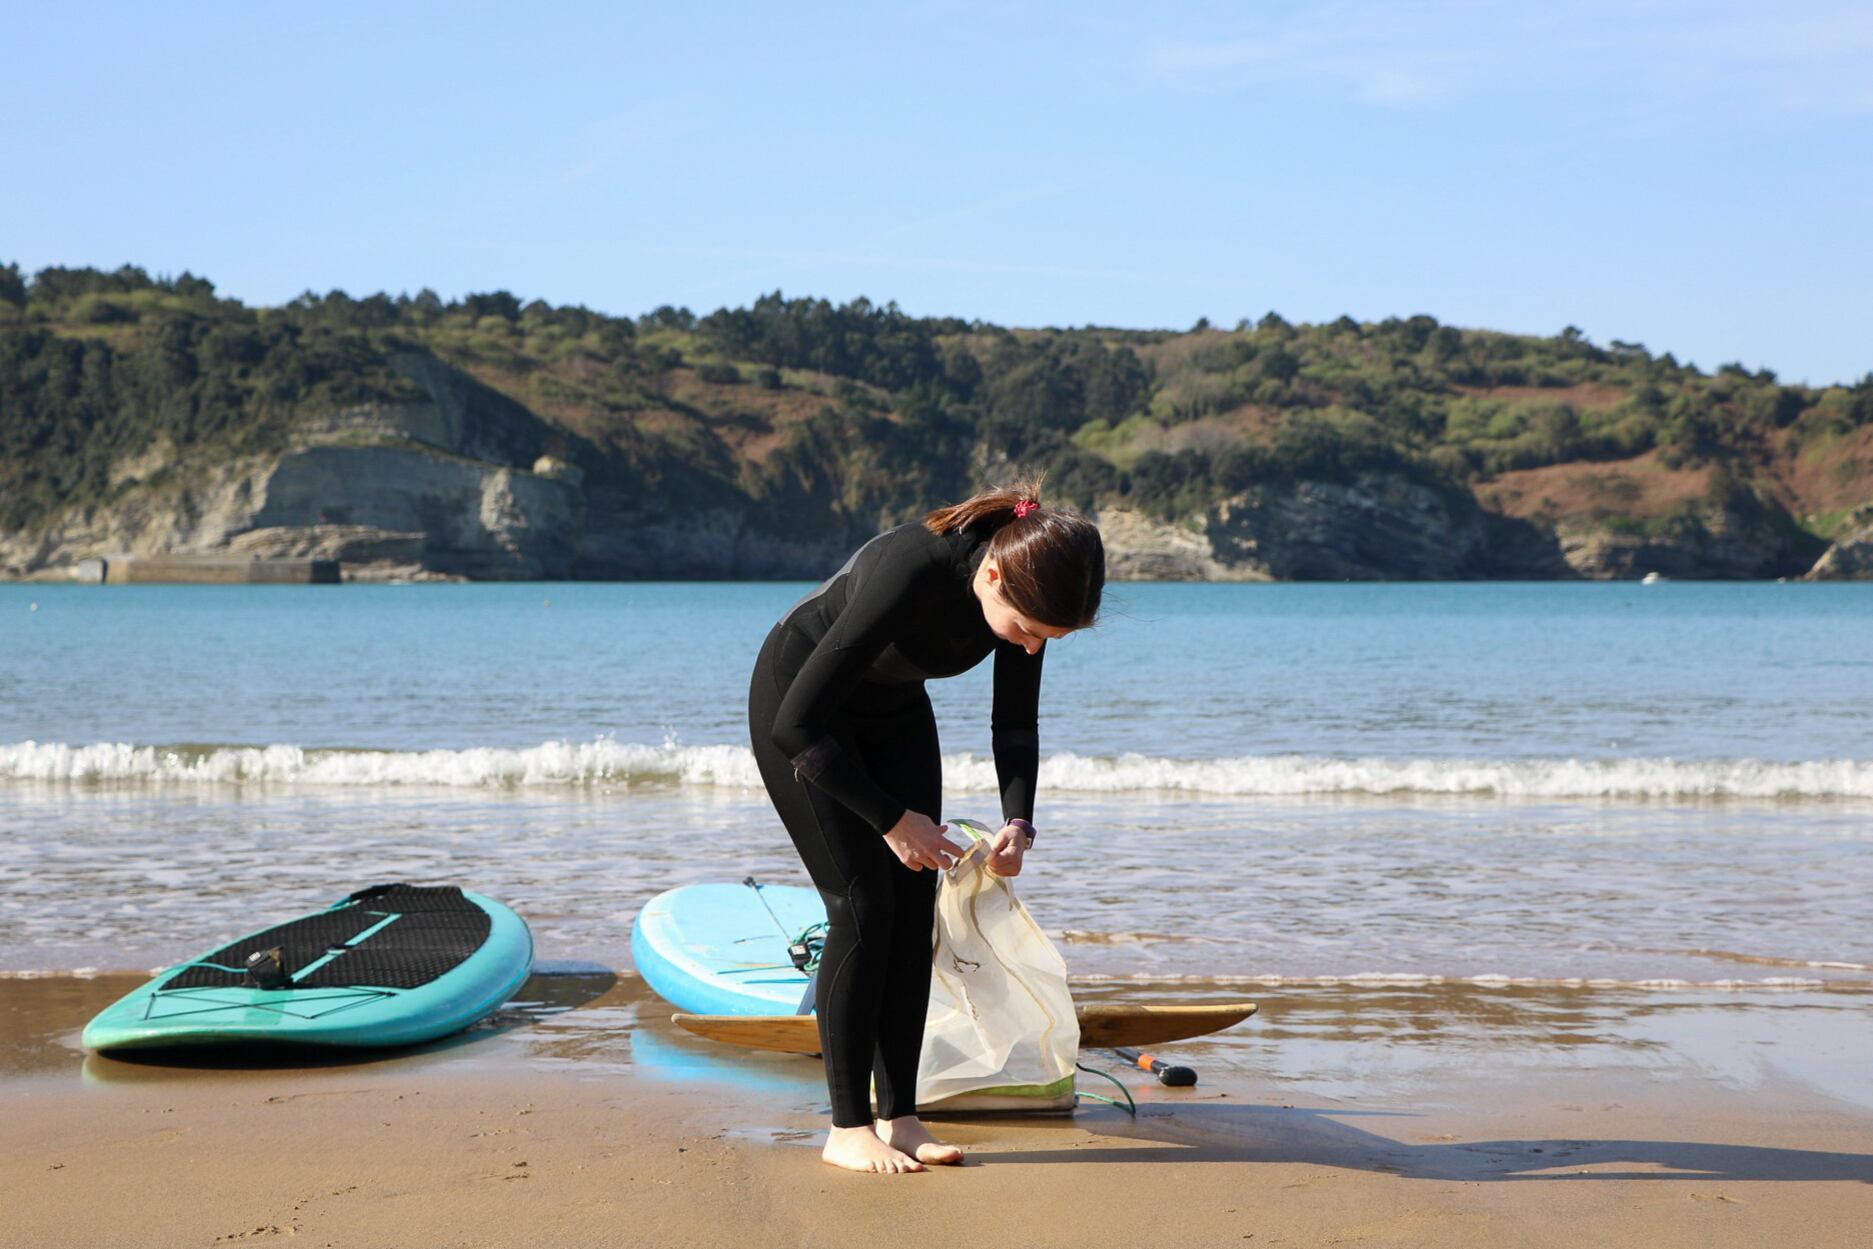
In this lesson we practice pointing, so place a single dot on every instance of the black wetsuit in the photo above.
(846, 742)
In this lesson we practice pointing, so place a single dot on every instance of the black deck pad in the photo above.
(436, 930)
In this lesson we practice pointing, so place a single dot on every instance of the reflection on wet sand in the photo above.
(541, 997)
(583, 1018)
(1342, 1042)
(1332, 1044)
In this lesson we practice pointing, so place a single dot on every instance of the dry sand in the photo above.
(588, 1120)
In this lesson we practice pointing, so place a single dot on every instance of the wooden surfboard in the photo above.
(1102, 1025)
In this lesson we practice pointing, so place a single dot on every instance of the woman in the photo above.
(847, 745)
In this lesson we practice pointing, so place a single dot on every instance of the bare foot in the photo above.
(859, 1149)
(908, 1133)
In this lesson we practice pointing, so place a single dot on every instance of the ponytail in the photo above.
(994, 508)
(1052, 560)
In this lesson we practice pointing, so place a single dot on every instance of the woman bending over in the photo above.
(844, 735)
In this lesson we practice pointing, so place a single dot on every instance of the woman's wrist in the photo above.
(1027, 831)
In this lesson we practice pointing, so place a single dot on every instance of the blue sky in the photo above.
(1696, 177)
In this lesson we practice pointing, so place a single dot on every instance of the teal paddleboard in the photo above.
(390, 965)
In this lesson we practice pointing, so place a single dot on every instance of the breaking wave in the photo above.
(604, 762)
(594, 763)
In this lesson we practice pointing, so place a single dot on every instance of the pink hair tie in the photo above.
(1024, 507)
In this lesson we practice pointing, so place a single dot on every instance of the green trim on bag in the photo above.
(1063, 1085)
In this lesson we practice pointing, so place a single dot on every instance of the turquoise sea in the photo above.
(1665, 786)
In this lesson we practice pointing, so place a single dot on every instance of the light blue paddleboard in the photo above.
(390, 965)
(713, 949)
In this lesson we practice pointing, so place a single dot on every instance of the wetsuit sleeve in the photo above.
(1014, 726)
(885, 602)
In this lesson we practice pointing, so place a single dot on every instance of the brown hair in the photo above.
(1053, 562)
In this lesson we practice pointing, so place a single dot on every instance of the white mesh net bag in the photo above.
(1002, 1033)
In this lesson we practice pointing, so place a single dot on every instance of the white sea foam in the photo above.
(1538, 778)
(599, 762)
(606, 762)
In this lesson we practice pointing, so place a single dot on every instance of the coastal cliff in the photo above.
(488, 439)
(390, 490)
(406, 510)
(459, 486)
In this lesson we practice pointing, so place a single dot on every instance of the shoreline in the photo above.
(579, 1115)
(365, 575)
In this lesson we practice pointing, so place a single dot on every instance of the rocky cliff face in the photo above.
(1725, 542)
(1384, 526)
(1140, 548)
(1850, 558)
(1379, 526)
(474, 519)
(445, 487)
(1717, 552)
(469, 483)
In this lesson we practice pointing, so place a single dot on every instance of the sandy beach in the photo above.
(582, 1117)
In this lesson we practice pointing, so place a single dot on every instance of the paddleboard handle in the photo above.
(266, 969)
(1167, 1074)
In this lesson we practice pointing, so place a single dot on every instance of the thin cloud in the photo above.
(604, 144)
(1370, 53)
(1816, 58)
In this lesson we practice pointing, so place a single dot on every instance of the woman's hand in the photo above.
(1006, 851)
(919, 842)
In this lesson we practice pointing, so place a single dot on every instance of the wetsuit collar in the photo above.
(970, 547)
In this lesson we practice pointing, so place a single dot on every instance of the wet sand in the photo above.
(582, 1117)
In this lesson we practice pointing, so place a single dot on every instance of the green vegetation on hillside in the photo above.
(875, 408)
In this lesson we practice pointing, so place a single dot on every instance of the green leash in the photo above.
(812, 941)
(1130, 1107)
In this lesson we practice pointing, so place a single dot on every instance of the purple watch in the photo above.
(1027, 831)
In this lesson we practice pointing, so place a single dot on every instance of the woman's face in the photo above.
(1003, 620)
